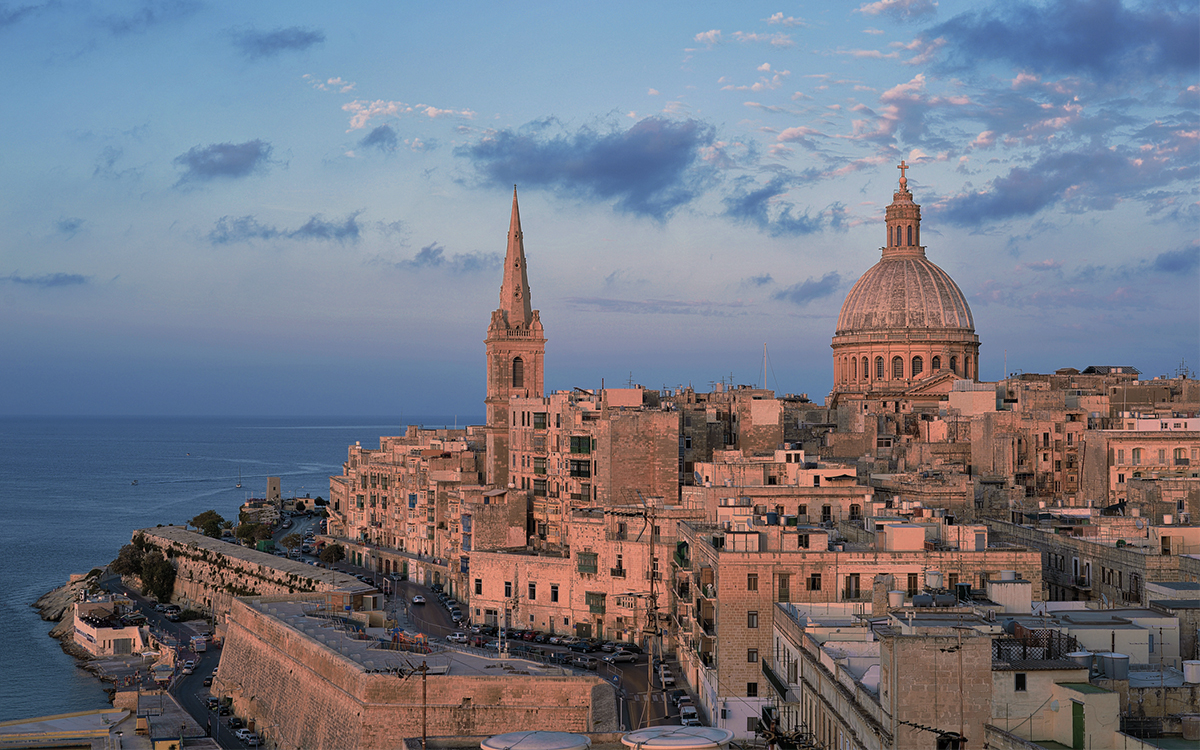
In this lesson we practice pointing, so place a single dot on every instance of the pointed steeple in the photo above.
(514, 292)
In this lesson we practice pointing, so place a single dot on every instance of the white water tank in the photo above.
(1191, 671)
(536, 740)
(933, 579)
(1167, 519)
(1008, 575)
(896, 599)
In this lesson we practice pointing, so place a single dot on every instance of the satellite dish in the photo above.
(1140, 523)
(1104, 600)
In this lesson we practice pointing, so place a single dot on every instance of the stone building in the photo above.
(905, 329)
(727, 582)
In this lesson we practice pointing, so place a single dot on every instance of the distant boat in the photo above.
(134, 482)
(239, 484)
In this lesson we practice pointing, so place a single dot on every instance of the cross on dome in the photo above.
(902, 166)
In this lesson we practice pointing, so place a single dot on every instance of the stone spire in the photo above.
(903, 221)
(514, 292)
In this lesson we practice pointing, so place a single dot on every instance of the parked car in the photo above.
(211, 703)
(242, 734)
(608, 646)
(692, 723)
(630, 646)
(189, 666)
(418, 599)
(236, 723)
(627, 657)
(677, 695)
(586, 662)
(207, 681)
(457, 637)
(584, 646)
(665, 676)
(688, 712)
(252, 739)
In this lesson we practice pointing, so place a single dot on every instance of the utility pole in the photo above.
(424, 706)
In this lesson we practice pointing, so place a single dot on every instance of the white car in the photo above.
(252, 739)
(189, 666)
(242, 734)
(418, 599)
(458, 637)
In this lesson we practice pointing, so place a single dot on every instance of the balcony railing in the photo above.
(617, 572)
(1083, 582)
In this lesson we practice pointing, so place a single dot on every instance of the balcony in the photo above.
(1183, 462)
(616, 572)
(707, 626)
(681, 560)
(683, 590)
(1083, 582)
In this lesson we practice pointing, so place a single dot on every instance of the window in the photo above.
(852, 587)
(826, 513)
(935, 363)
(539, 420)
(785, 587)
(587, 562)
(954, 365)
(913, 584)
(752, 619)
(1137, 456)
(554, 592)
(864, 368)
(1120, 455)
(879, 371)
(802, 541)
(539, 488)
(539, 465)
(532, 591)
(897, 368)
(1120, 479)
(802, 510)
(966, 367)
(479, 587)
(1162, 456)
(518, 373)
(814, 582)
(581, 468)
(581, 444)
(855, 512)
(752, 581)
(854, 368)
(1019, 682)
(751, 689)
(507, 589)
(918, 366)
(752, 655)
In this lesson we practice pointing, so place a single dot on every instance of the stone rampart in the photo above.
(302, 693)
(209, 572)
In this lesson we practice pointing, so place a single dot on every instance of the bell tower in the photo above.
(516, 350)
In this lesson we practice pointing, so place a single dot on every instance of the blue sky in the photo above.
(300, 208)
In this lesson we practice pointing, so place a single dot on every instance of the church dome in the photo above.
(904, 291)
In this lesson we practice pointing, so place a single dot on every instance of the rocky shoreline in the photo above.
(56, 606)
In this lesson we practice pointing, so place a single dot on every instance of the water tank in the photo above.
(922, 600)
(896, 599)
(536, 741)
(1167, 519)
(1191, 671)
(1191, 726)
(675, 738)
(1115, 666)
(945, 600)
(933, 579)
(1082, 658)
(1008, 575)
(772, 519)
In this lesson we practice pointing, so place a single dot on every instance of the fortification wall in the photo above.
(319, 699)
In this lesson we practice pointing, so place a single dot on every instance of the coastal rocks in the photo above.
(55, 606)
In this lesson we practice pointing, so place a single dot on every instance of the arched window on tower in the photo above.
(935, 363)
(918, 366)
(954, 365)
(854, 368)
(898, 230)
(897, 368)
(967, 367)
(518, 373)
(879, 371)
(866, 373)
(910, 234)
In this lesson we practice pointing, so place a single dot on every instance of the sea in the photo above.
(73, 490)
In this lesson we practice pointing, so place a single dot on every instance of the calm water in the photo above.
(69, 504)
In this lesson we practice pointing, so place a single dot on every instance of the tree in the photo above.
(253, 532)
(292, 541)
(129, 561)
(333, 553)
(158, 576)
(319, 501)
(209, 522)
(299, 506)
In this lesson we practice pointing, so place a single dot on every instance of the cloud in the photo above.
(790, 21)
(256, 45)
(650, 169)
(762, 206)
(762, 280)
(1100, 38)
(232, 160)
(49, 280)
(810, 289)
(151, 13)
(1094, 178)
(106, 165)
(778, 39)
(330, 84)
(231, 229)
(382, 138)
(10, 16)
(434, 255)
(902, 10)
(69, 225)
(364, 111)
(709, 37)
(1183, 260)
(654, 306)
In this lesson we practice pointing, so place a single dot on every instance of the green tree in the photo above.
(129, 561)
(209, 522)
(299, 506)
(333, 553)
(158, 576)
(292, 541)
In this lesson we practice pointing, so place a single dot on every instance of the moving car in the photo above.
(457, 637)
(189, 666)
(418, 599)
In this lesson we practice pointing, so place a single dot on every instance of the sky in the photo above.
(301, 208)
